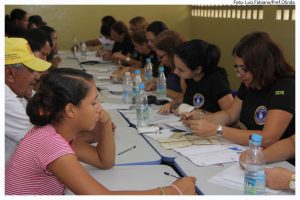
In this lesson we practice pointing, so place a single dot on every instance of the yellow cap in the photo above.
(17, 50)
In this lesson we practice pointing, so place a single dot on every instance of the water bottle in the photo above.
(83, 51)
(148, 71)
(127, 88)
(255, 179)
(136, 81)
(142, 108)
(74, 45)
(161, 88)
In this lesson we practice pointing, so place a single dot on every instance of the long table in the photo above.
(141, 163)
(134, 177)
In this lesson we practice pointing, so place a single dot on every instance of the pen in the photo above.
(236, 149)
(168, 174)
(184, 117)
(126, 150)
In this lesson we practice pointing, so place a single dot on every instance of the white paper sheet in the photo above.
(178, 125)
(160, 134)
(115, 88)
(204, 155)
(108, 106)
(233, 177)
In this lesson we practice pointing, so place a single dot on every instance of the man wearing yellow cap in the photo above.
(22, 71)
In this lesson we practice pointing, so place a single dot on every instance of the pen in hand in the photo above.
(168, 174)
(184, 117)
(126, 150)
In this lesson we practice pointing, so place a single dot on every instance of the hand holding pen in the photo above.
(169, 174)
(193, 115)
(187, 115)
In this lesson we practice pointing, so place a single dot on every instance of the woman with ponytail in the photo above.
(207, 86)
(47, 158)
(18, 17)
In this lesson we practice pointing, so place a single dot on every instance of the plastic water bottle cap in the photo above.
(137, 72)
(127, 73)
(256, 138)
(141, 86)
(83, 45)
(161, 69)
(148, 60)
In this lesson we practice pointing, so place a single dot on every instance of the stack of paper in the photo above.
(203, 155)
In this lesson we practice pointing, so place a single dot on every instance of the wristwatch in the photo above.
(292, 183)
(127, 59)
(219, 132)
(202, 112)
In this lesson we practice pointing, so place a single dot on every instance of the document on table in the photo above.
(97, 70)
(154, 118)
(233, 177)
(203, 155)
(108, 106)
(157, 135)
(103, 84)
(115, 88)
(103, 77)
(178, 125)
(180, 139)
(114, 96)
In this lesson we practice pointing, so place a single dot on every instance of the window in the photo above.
(228, 12)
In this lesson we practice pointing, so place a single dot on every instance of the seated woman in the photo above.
(18, 17)
(53, 57)
(35, 21)
(153, 30)
(265, 102)
(207, 86)
(104, 40)
(138, 23)
(123, 50)
(67, 105)
(165, 45)
(141, 46)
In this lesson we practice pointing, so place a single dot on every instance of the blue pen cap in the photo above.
(256, 139)
(161, 69)
(137, 72)
(141, 86)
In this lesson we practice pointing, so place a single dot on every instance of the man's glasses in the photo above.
(161, 57)
(241, 69)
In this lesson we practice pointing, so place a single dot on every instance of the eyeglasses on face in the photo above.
(161, 57)
(241, 69)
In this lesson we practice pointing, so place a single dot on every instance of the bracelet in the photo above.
(177, 189)
(219, 133)
(292, 182)
(162, 191)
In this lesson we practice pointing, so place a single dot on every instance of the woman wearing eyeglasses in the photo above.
(165, 45)
(265, 101)
(207, 86)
